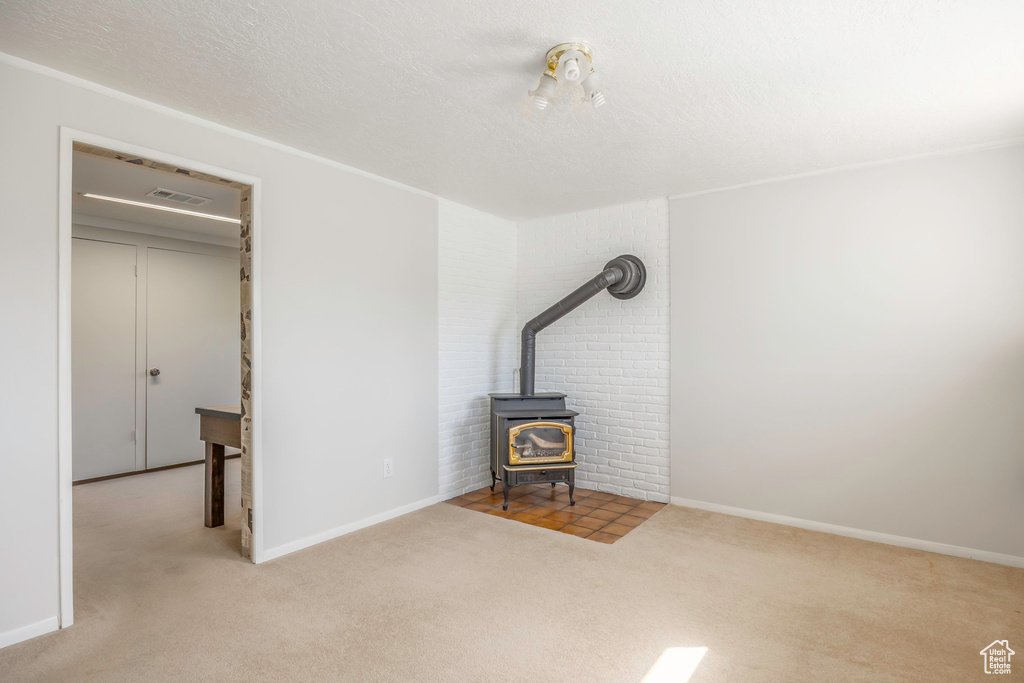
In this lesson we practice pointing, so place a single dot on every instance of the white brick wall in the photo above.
(611, 357)
(477, 337)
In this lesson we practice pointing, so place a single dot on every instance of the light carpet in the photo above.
(447, 594)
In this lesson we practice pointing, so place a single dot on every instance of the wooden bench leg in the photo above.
(214, 484)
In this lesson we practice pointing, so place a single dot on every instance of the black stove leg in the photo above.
(505, 487)
(572, 486)
(552, 484)
(494, 480)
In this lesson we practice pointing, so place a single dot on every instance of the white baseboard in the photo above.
(877, 537)
(31, 631)
(278, 551)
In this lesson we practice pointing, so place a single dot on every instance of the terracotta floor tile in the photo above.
(532, 515)
(561, 516)
(578, 508)
(591, 522)
(629, 520)
(603, 537)
(518, 505)
(617, 529)
(597, 516)
(564, 516)
(548, 523)
(580, 531)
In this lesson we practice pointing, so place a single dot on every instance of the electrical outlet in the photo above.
(389, 465)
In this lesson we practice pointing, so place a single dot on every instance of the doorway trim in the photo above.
(68, 137)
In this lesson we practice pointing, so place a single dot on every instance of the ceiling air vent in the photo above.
(179, 197)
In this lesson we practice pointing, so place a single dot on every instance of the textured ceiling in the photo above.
(700, 94)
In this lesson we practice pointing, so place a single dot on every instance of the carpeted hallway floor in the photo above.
(447, 594)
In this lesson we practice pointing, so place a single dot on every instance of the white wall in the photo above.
(849, 349)
(477, 330)
(610, 356)
(349, 331)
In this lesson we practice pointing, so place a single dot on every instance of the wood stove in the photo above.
(532, 441)
(532, 435)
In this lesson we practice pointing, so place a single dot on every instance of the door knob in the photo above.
(154, 372)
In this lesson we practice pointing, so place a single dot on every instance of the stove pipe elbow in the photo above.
(624, 277)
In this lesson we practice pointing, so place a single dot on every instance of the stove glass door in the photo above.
(540, 443)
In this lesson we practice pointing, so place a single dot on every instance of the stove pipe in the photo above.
(624, 277)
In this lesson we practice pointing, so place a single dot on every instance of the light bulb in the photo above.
(544, 91)
(590, 89)
(572, 70)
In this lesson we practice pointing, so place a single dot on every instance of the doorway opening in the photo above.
(159, 296)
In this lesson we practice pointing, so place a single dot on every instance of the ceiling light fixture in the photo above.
(90, 195)
(570, 62)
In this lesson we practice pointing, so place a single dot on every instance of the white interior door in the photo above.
(192, 338)
(103, 286)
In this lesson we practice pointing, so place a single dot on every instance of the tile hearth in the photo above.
(598, 516)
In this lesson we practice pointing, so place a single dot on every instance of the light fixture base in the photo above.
(555, 53)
